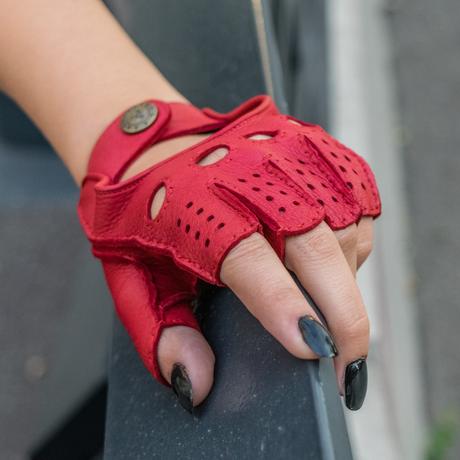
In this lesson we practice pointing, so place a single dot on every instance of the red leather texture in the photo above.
(281, 186)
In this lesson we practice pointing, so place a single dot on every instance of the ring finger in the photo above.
(322, 268)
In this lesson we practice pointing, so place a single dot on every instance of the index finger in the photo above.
(254, 272)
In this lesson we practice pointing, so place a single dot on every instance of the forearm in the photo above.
(72, 69)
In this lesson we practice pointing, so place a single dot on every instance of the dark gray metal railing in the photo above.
(264, 403)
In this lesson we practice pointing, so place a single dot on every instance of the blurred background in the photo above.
(393, 84)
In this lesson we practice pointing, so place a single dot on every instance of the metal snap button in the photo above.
(139, 117)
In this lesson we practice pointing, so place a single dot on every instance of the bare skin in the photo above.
(72, 81)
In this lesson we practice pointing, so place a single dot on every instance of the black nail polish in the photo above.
(182, 386)
(317, 337)
(355, 384)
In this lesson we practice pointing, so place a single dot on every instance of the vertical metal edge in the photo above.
(260, 23)
(320, 374)
(324, 427)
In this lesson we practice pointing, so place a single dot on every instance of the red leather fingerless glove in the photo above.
(280, 186)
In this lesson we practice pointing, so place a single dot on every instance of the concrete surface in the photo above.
(426, 43)
(398, 78)
(364, 116)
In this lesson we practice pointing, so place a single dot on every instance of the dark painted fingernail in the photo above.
(355, 384)
(182, 386)
(317, 337)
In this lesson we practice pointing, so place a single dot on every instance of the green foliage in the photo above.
(442, 436)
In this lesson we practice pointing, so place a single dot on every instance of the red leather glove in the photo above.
(281, 186)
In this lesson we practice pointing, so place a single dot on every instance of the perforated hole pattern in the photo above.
(220, 152)
(197, 233)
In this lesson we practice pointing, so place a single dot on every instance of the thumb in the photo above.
(153, 302)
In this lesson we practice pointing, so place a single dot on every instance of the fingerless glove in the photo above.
(282, 183)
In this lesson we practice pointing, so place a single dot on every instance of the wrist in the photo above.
(70, 81)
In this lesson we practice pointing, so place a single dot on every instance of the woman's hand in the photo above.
(76, 81)
(324, 261)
